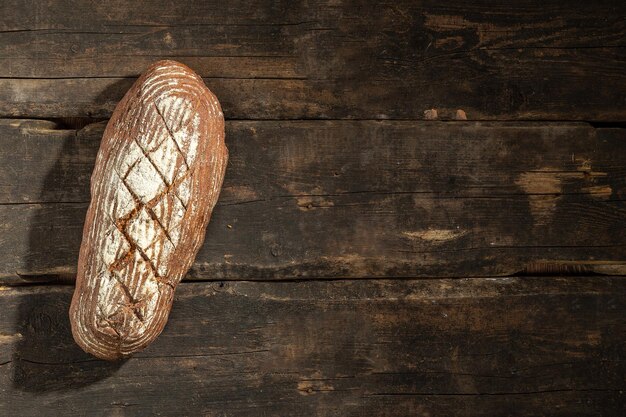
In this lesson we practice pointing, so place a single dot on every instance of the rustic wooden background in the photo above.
(362, 260)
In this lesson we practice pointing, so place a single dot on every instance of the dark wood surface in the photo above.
(532, 59)
(361, 260)
(468, 347)
(351, 199)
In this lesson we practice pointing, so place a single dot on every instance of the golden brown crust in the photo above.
(157, 177)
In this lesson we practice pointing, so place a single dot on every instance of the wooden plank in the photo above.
(351, 199)
(395, 59)
(467, 347)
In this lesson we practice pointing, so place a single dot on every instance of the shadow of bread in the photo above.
(46, 358)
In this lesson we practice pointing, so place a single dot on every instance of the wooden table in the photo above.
(424, 212)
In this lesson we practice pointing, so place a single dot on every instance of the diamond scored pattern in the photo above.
(157, 150)
(144, 180)
(157, 175)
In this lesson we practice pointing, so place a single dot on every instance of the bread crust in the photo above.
(157, 177)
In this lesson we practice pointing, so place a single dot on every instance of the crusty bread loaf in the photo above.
(156, 180)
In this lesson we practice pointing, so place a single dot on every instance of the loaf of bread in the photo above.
(157, 177)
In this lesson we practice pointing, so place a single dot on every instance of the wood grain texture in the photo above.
(352, 199)
(305, 201)
(536, 59)
(467, 347)
(157, 177)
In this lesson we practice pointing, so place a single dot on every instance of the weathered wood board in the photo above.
(351, 199)
(337, 198)
(537, 59)
(467, 347)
